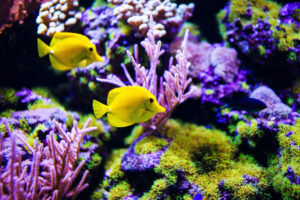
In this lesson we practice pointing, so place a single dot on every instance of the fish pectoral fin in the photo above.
(117, 122)
(56, 64)
(85, 62)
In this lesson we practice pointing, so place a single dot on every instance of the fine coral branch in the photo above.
(171, 89)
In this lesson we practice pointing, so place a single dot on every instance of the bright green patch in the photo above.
(150, 144)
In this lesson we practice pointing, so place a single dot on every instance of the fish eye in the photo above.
(151, 100)
(90, 49)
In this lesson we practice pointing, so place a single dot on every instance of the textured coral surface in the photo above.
(227, 73)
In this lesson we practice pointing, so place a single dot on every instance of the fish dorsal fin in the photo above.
(113, 93)
(117, 122)
(64, 35)
(117, 91)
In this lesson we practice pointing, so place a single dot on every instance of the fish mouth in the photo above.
(98, 58)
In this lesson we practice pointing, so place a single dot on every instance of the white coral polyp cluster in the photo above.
(166, 15)
(56, 15)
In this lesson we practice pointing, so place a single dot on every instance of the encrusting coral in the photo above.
(193, 160)
(167, 17)
(285, 168)
(262, 30)
(57, 16)
(49, 170)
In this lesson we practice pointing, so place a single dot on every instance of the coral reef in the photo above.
(57, 16)
(167, 17)
(49, 170)
(194, 160)
(169, 90)
(12, 11)
(215, 67)
(263, 31)
(101, 26)
(285, 169)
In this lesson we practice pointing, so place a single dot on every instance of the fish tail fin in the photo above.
(43, 48)
(99, 108)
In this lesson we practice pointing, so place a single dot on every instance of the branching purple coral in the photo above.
(29, 96)
(49, 172)
(170, 90)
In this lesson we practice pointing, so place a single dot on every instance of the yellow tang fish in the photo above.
(69, 50)
(128, 105)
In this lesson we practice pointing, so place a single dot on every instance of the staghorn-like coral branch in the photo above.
(51, 170)
(171, 89)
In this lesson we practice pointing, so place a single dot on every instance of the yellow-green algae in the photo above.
(204, 156)
(121, 187)
(289, 157)
(287, 34)
(150, 144)
(249, 131)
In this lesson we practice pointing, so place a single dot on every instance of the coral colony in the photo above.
(231, 129)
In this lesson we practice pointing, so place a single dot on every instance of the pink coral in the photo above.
(171, 89)
(16, 11)
(49, 172)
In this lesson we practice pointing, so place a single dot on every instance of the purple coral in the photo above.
(99, 24)
(289, 13)
(292, 176)
(48, 172)
(28, 96)
(259, 37)
(275, 107)
(132, 161)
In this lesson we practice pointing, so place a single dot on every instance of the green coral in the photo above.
(8, 97)
(119, 191)
(150, 144)
(156, 190)
(248, 131)
(203, 156)
(290, 156)
(287, 35)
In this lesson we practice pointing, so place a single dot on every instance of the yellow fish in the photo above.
(128, 105)
(69, 50)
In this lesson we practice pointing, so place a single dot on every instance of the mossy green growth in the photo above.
(290, 157)
(6, 113)
(136, 132)
(202, 156)
(248, 131)
(150, 144)
(34, 133)
(95, 161)
(119, 191)
(206, 156)
(42, 104)
(8, 96)
(156, 190)
(115, 177)
(287, 35)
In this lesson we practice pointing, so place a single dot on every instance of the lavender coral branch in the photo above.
(170, 90)
(50, 171)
